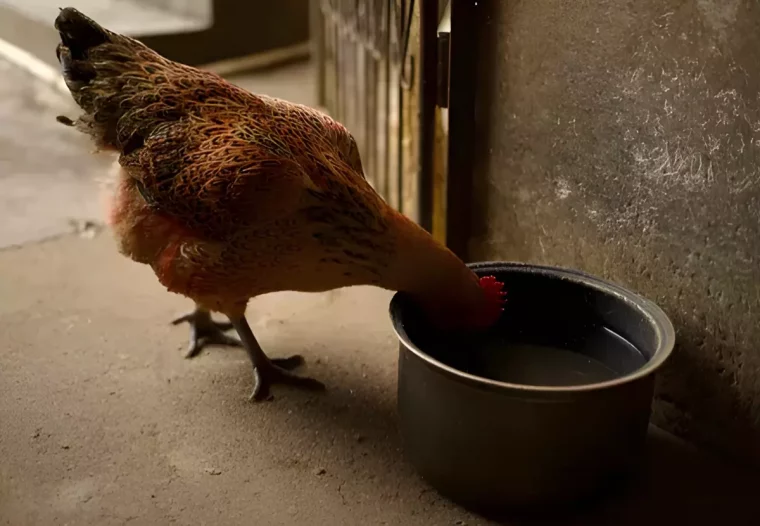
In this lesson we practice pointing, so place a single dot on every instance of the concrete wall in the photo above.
(623, 138)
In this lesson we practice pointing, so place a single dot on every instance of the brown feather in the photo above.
(227, 194)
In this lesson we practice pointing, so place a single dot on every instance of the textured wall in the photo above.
(623, 137)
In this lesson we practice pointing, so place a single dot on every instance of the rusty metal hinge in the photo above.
(444, 49)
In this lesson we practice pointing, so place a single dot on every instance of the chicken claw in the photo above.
(205, 331)
(266, 371)
(265, 377)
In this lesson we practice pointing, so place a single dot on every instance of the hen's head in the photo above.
(449, 293)
(474, 307)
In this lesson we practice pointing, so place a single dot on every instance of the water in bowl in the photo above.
(596, 354)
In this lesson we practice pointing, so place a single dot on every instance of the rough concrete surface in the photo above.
(623, 138)
(102, 421)
(44, 183)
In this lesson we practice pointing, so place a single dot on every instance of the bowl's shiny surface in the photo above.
(496, 446)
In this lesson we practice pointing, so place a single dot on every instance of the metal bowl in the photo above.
(494, 445)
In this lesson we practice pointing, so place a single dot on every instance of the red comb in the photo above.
(495, 298)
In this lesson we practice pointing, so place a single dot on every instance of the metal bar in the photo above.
(336, 64)
(370, 112)
(442, 78)
(400, 145)
(372, 99)
(317, 27)
(339, 62)
(387, 137)
(428, 94)
(402, 29)
(462, 115)
(406, 18)
(353, 67)
(359, 89)
(364, 80)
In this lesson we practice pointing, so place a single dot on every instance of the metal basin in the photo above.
(544, 409)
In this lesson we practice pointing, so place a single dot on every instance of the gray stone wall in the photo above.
(623, 138)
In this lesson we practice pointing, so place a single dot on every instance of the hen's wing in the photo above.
(318, 124)
(214, 176)
(197, 147)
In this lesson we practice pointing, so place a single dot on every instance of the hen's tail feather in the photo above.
(92, 58)
(63, 119)
(79, 33)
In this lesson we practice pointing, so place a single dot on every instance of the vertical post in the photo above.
(317, 38)
(444, 46)
(387, 54)
(462, 73)
(428, 96)
(441, 150)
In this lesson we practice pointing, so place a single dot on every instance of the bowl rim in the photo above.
(663, 327)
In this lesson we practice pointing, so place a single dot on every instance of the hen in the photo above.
(228, 195)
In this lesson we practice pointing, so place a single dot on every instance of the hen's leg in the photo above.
(205, 331)
(267, 372)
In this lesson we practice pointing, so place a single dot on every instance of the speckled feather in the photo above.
(228, 195)
(233, 180)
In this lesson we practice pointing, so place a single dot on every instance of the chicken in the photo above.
(229, 195)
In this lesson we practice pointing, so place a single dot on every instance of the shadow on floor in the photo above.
(678, 484)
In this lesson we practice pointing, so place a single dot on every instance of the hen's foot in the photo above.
(268, 372)
(277, 371)
(205, 331)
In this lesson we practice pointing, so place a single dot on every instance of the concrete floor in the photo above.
(103, 422)
(47, 180)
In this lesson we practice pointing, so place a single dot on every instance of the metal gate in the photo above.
(366, 52)
(395, 73)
